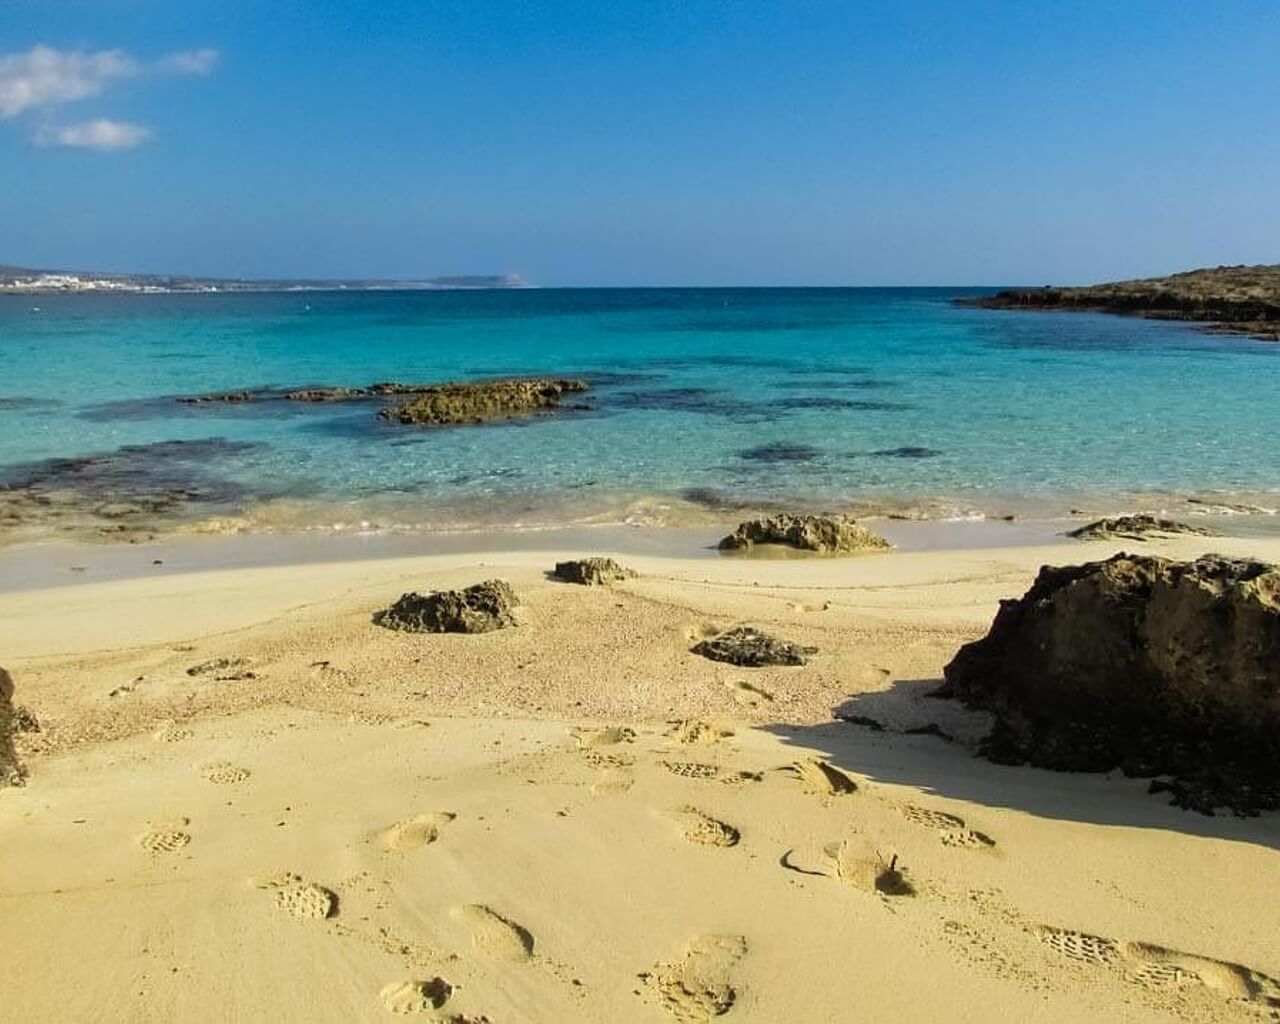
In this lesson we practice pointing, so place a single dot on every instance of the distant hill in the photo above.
(30, 280)
(1233, 300)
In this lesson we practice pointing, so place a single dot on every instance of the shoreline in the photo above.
(40, 564)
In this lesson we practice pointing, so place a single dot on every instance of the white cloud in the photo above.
(43, 77)
(188, 62)
(98, 134)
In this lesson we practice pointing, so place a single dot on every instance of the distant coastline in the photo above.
(29, 281)
(1242, 300)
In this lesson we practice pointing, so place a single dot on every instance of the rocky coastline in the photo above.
(1241, 300)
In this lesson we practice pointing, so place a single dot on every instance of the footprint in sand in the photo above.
(697, 987)
(867, 869)
(951, 829)
(705, 830)
(857, 864)
(605, 761)
(1157, 967)
(748, 693)
(224, 773)
(589, 739)
(612, 782)
(170, 732)
(691, 769)
(494, 934)
(801, 606)
(693, 730)
(416, 996)
(224, 670)
(166, 836)
(298, 897)
(416, 832)
(821, 778)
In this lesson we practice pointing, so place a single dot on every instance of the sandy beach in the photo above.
(248, 802)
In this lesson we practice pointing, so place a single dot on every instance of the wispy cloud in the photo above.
(35, 82)
(97, 134)
(188, 62)
(44, 77)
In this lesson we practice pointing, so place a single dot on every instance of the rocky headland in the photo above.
(1232, 300)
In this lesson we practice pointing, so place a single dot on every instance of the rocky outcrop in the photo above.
(1153, 666)
(1236, 300)
(11, 771)
(483, 401)
(747, 647)
(827, 534)
(230, 397)
(592, 571)
(477, 609)
(326, 394)
(1139, 527)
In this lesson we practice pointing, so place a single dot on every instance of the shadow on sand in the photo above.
(947, 765)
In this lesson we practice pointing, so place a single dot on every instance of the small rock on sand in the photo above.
(826, 534)
(1139, 527)
(592, 571)
(481, 608)
(750, 648)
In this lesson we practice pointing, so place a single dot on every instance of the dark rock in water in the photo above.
(817, 402)
(1139, 527)
(477, 609)
(749, 648)
(119, 490)
(828, 534)
(325, 394)
(483, 401)
(780, 451)
(22, 403)
(1153, 666)
(907, 452)
(11, 771)
(592, 571)
(217, 396)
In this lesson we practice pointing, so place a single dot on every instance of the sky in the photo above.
(742, 142)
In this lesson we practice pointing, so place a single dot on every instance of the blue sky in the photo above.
(743, 142)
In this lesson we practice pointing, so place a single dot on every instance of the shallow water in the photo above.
(889, 397)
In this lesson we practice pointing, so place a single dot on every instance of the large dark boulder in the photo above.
(747, 647)
(1153, 666)
(592, 571)
(827, 534)
(483, 401)
(477, 609)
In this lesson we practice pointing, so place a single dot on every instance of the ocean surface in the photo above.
(704, 401)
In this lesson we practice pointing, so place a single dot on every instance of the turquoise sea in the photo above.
(891, 399)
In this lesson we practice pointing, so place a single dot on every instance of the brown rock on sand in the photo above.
(746, 646)
(1139, 527)
(1155, 666)
(481, 608)
(11, 772)
(826, 534)
(592, 571)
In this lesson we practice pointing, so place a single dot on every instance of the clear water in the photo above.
(1014, 409)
